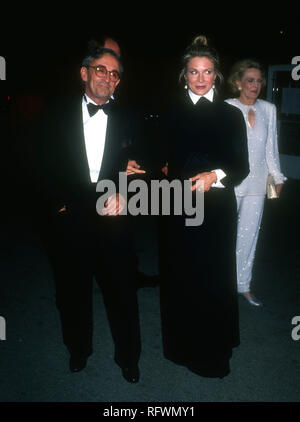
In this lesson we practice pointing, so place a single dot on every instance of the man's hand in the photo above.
(204, 180)
(133, 167)
(165, 169)
(114, 205)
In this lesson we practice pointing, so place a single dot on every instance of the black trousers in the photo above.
(80, 250)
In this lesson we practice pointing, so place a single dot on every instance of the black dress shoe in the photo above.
(77, 362)
(131, 374)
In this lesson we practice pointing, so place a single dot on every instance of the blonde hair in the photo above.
(201, 47)
(238, 70)
(200, 40)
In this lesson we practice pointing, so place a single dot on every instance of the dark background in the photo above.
(44, 46)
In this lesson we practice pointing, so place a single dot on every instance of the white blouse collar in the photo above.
(195, 98)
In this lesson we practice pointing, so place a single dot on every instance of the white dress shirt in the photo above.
(209, 96)
(94, 136)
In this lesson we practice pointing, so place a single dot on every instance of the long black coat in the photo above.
(198, 288)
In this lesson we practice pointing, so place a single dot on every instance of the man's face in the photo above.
(100, 87)
(113, 45)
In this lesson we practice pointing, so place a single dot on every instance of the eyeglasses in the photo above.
(101, 71)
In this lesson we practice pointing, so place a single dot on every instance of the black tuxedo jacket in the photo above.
(63, 165)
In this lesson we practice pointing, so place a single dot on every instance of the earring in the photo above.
(185, 86)
(239, 88)
(214, 86)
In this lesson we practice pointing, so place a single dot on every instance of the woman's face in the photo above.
(250, 84)
(200, 75)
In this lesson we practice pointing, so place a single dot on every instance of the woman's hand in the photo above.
(204, 180)
(62, 210)
(279, 189)
(133, 167)
(114, 205)
(165, 169)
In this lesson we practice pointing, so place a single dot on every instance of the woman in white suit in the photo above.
(246, 80)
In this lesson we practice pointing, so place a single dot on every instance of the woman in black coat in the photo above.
(203, 140)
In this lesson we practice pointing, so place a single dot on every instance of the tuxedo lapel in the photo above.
(116, 133)
(110, 165)
(107, 152)
(76, 144)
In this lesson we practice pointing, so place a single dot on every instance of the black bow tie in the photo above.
(93, 108)
(203, 100)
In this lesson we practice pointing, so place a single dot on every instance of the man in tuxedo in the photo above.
(86, 140)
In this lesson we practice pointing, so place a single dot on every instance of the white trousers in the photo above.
(250, 211)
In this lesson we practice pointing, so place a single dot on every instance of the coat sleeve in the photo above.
(51, 191)
(236, 162)
(272, 154)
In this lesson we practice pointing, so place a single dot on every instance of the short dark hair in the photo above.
(96, 52)
(100, 40)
